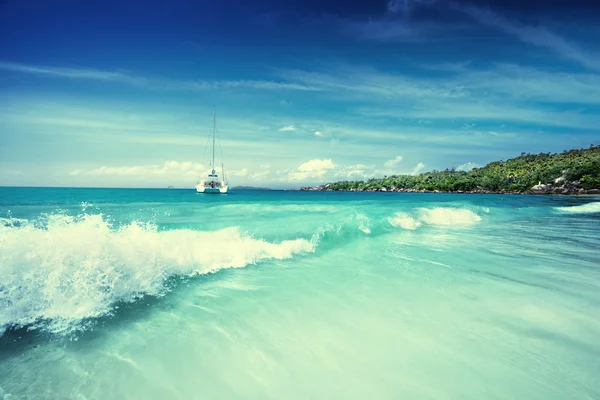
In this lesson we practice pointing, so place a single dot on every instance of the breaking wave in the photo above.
(405, 221)
(61, 271)
(582, 209)
(343, 230)
(434, 216)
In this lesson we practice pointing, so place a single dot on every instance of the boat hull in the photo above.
(210, 190)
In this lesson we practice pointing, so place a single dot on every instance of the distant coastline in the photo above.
(573, 172)
(249, 188)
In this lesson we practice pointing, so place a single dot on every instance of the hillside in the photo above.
(570, 172)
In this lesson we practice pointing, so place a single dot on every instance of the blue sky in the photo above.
(120, 93)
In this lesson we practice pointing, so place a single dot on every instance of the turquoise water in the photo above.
(166, 294)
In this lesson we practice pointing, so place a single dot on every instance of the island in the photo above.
(570, 172)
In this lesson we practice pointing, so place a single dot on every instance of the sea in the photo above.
(169, 294)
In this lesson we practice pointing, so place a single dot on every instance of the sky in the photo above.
(121, 93)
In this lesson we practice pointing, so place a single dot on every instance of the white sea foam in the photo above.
(448, 216)
(404, 221)
(582, 209)
(434, 216)
(61, 272)
(363, 222)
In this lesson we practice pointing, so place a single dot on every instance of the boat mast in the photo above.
(214, 129)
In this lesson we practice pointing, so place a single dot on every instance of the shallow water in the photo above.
(127, 294)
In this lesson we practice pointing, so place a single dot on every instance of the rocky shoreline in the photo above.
(558, 187)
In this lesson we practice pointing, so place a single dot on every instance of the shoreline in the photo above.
(555, 191)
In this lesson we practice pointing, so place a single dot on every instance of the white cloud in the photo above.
(315, 168)
(317, 133)
(289, 128)
(393, 162)
(356, 172)
(316, 165)
(467, 166)
(168, 169)
(420, 167)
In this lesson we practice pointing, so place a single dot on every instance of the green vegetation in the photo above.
(581, 170)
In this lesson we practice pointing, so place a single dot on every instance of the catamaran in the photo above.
(213, 184)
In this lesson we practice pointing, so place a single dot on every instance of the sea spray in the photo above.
(441, 216)
(75, 268)
(405, 221)
(589, 208)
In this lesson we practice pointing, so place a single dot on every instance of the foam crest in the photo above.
(448, 216)
(61, 271)
(363, 222)
(404, 221)
(589, 208)
(434, 216)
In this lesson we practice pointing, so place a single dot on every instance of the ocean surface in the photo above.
(167, 294)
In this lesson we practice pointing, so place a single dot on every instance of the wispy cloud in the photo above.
(369, 81)
(404, 29)
(263, 174)
(238, 172)
(521, 83)
(396, 25)
(73, 73)
(251, 84)
(389, 30)
(318, 133)
(535, 35)
(495, 84)
(153, 83)
(406, 7)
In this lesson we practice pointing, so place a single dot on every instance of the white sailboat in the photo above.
(213, 184)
